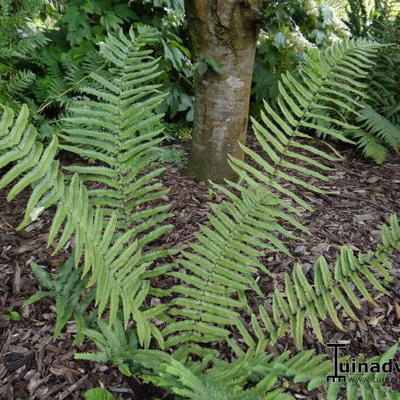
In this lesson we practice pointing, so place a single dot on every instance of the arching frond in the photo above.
(220, 266)
(219, 380)
(113, 262)
(119, 129)
(303, 301)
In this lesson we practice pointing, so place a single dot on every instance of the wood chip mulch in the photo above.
(35, 366)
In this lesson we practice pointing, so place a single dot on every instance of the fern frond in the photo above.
(119, 130)
(27, 48)
(330, 82)
(66, 285)
(219, 268)
(302, 301)
(20, 82)
(113, 344)
(251, 376)
(381, 127)
(226, 381)
(377, 135)
(357, 14)
(371, 146)
(115, 263)
(200, 380)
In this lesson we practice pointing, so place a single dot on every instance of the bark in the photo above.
(224, 31)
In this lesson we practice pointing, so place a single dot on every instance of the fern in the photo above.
(17, 66)
(358, 16)
(303, 301)
(376, 135)
(219, 380)
(371, 146)
(67, 285)
(115, 261)
(379, 120)
(119, 130)
(23, 57)
(21, 81)
(31, 71)
(384, 89)
(114, 345)
(250, 376)
(219, 269)
(62, 80)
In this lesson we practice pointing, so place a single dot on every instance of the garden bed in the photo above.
(33, 365)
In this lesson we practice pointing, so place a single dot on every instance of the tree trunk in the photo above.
(224, 34)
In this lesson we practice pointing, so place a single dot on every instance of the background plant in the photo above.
(85, 24)
(22, 40)
(49, 50)
(378, 128)
(290, 29)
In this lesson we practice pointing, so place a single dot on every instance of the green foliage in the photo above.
(20, 43)
(376, 135)
(373, 111)
(89, 22)
(115, 262)
(112, 210)
(358, 17)
(290, 29)
(44, 62)
(237, 232)
(171, 155)
(177, 132)
(32, 69)
(12, 316)
(98, 394)
(213, 379)
(341, 97)
(121, 130)
(253, 376)
(218, 269)
(368, 18)
(114, 345)
(85, 24)
(379, 120)
(66, 285)
(302, 301)
(16, 17)
(384, 91)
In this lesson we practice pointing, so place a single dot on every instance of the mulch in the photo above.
(35, 366)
